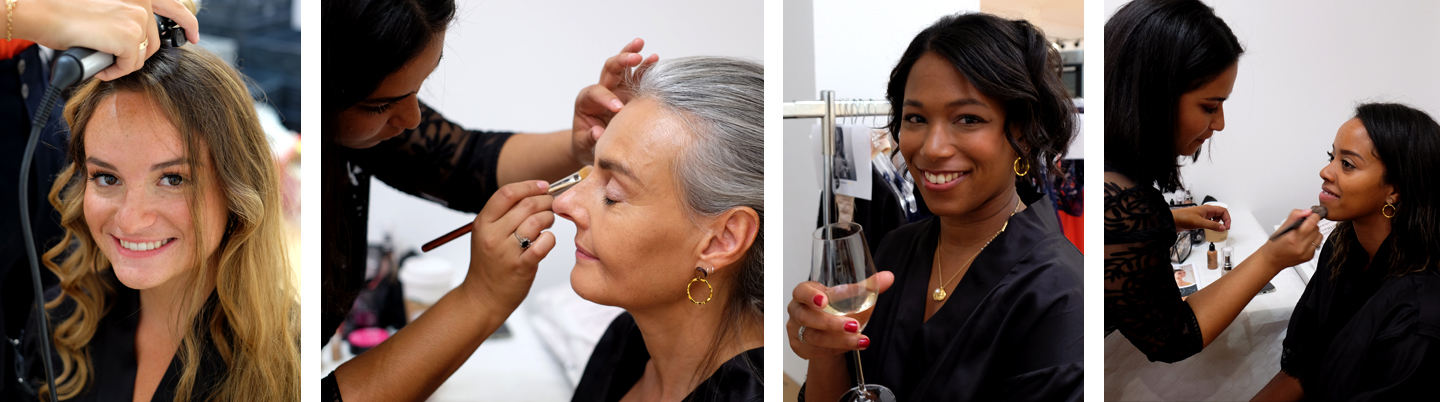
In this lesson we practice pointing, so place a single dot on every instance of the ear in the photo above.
(730, 236)
(1393, 197)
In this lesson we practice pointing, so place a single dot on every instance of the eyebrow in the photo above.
(1216, 98)
(954, 103)
(617, 167)
(157, 166)
(1352, 153)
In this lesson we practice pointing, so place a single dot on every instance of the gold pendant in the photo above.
(938, 295)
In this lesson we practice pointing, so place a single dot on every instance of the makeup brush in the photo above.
(555, 189)
(1318, 210)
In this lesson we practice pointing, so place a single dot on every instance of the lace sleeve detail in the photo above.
(329, 390)
(438, 160)
(1141, 297)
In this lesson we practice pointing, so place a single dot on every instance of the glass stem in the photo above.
(860, 373)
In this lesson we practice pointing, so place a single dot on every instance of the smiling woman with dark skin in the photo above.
(1368, 325)
(982, 301)
(1170, 65)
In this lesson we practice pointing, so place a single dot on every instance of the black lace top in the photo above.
(438, 161)
(1141, 297)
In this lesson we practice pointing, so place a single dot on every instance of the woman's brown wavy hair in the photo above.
(254, 325)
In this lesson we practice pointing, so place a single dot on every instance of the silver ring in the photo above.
(524, 242)
(802, 335)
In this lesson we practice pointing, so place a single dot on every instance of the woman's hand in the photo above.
(598, 103)
(1298, 245)
(117, 27)
(825, 334)
(500, 270)
(1213, 217)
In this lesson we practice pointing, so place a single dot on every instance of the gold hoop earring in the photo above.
(1392, 213)
(1017, 167)
(707, 285)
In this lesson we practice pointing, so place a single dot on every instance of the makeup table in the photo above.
(1239, 362)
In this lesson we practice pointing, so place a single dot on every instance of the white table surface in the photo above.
(1238, 363)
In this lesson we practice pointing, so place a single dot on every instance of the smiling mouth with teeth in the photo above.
(146, 246)
(941, 178)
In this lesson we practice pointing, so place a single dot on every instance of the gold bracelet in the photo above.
(9, 18)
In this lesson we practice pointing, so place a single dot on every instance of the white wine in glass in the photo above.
(841, 262)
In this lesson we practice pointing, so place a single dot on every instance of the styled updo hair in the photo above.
(1156, 51)
(721, 100)
(1406, 141)
(1010, 62)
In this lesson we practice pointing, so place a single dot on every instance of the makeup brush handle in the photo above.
(1318, 210)
(454, 234)
(1292, 226)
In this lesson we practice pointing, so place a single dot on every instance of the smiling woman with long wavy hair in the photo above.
(174, 277)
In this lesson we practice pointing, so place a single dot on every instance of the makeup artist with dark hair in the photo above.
(34, 30)
(374, 125)
(1368, 325)
(1169, 67)
(985, 302)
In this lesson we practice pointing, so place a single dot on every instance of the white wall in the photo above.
(849, 47)
(519, 65)
(1306, 65)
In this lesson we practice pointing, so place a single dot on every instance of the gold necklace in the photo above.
(939, 293)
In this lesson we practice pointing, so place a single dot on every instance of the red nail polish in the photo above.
(819, 300)
(864, 343)
(852, 327)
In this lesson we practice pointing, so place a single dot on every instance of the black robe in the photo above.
(619, 360)
(112, 351)
(1011, 330)
(1365, 335)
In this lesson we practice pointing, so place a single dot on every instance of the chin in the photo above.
(140, 278)
(589, 285)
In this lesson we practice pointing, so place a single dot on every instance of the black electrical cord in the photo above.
(42, 116)
(70, 67)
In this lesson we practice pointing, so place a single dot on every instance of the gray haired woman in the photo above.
(676, 201)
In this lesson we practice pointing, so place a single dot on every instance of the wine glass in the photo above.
(841, 262)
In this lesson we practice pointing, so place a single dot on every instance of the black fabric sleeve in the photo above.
(439, 161)
(1295, 360)
(1142, 300)
(1397, 369)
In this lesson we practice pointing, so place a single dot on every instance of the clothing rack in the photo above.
(827, 109)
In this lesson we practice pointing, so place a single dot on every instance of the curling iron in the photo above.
(74, 65)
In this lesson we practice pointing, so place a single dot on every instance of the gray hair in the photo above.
(722, 102)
